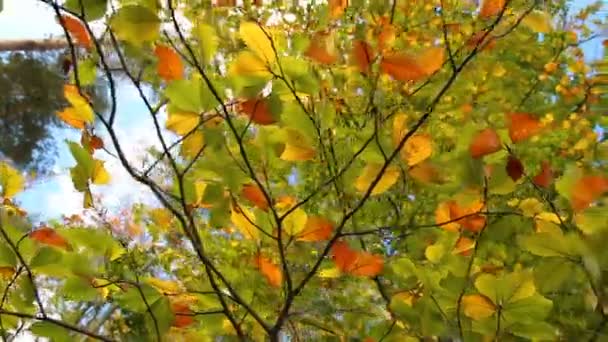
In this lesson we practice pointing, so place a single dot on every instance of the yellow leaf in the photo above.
(244, 220)
(547, 222)
(257, 41)
(182, 122)
(405, 297)
(477, 306)
(538, 21)
(524, 290)
(434, 253)
(166, 287)
(417, 149)
(297, 147)
(247, 63)
(100, 174)
(295, 222)
(530, 207)
(369, 174)
(80, 112)
(333, 272)
(199, 191)
(72, 117)
(399, 127)
(11, 181)
(192, 145)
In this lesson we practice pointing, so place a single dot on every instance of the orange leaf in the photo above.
(425, 172)
(464, 246)
(72, 117)
(321, 49)
(183, 315)
(545, 177)
(271, 272)
(485, 142)
(491, 7)
(515, 169)
(76, 30)
(443, 214)
(258, 111)
(478, 40)
(316, 229)
(387, 35)
(407, 67)
(337, 7)
(96, 143)
(254, 194)
(586, 190)
(356, 263)
(522, 126)
(363, 55)
(49, 236)
(169, 65)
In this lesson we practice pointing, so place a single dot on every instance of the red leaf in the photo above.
(545, 177)
(96, 142)
(316, 229)
(76, 30)
(586, 190)
(321, 49)
(49, 236)
(183, 315)
(254, 194)
(269, 270)
(515, 169)
(485, 142)
(169, 65)
(356, 263)
(258, 111)
(522, 126)
(363, 55)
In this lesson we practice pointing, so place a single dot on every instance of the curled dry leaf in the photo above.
(269, 270)
(255, 195)
(169, 65)
(258, 110)
(514, 167)
(77, 30)
(358, 263)
(49, 236)
(522, 126)
(485, 142)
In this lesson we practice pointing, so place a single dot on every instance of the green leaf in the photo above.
(529, 310)
(135, 24)
(46, 256)
(161, 311)
(78, 288)
(93, 9)
(208, 41)
(132, 299)
(550, 243)
(83, 159)
(52, 331)
(7, 256)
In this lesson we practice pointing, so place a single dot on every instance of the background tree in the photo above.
(372, 170)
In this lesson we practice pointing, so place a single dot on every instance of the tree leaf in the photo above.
(363, 55)
(247, 63)
(337, 7)
(491, 8)
(192, 145)
(254, 194)
(316, 229)
(258, 110)
(135, 24)
(257, 41)
(477, 306)
(538, 21)
(356, 263)
(244, 220)
(370, 172)
(297, 147)
(169, 65)
(417, 149)
(295, 222)
(49, 236)
(269, 270)
(522, 126)
(182, 123)
(11, 181)
(322, 49)
(404, 66)
(485, 142)
(77, 30)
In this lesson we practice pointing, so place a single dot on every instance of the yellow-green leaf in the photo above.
(369, 174)
(182, 123)
(244, 220)
(135, 24)
(538, 21)
(257, 41)
(297, 147)
(248, 63)
(11, 181)
(295, 222)
(192, 144)
(434, 253)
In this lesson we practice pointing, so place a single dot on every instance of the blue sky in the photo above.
(55, 195)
